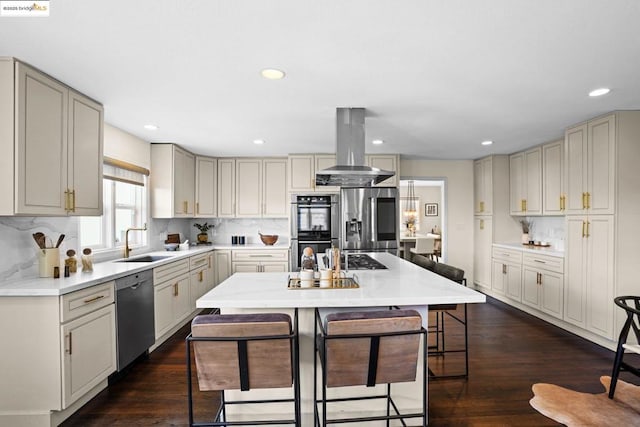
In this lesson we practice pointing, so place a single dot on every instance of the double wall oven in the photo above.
(315, 220)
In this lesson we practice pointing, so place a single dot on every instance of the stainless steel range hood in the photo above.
(351, 170)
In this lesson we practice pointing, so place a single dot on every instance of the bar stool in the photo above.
(631, 305)
(368, 348)
(244, 352)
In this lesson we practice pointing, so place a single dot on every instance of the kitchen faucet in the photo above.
(126, 239)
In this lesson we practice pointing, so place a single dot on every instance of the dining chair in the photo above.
(631, 305)
(424, 246)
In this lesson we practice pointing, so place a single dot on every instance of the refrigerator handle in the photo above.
(374, 219)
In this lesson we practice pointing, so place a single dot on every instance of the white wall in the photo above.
(121, 145)
(458, 177)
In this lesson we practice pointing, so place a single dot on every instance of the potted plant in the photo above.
(203, 237)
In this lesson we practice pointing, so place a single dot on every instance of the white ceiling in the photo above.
(436, 77)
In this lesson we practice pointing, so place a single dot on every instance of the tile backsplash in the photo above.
(549, 229)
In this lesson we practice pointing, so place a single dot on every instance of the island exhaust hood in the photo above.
(350, 170)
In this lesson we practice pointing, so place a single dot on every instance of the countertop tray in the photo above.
(340, 283)
(536, 246)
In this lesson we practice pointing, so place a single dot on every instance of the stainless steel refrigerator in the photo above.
(369, 219)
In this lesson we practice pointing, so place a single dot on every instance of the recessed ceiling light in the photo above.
(151, 127)
(599, 92)
(258, 141)
(272, 74)
(377, 142)
(486, 142)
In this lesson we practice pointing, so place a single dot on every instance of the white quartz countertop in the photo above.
(532, 249)
(403, 283)
(102, 272)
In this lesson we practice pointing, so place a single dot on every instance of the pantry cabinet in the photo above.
(483, 238)
(553, 178)
(172, 182)
(590, 155)
(56, 137)
(525, 180)
(206, 182)
(483, 186)
(589, 287)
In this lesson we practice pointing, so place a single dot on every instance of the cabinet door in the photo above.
(223, 266)
(386, 162)
(575, 271)
(274, 188)
(531, 287)
(551, 286)
(184, 183)
(516, 192)
(575, 157)
(198, 282)
(163, 307)
(483, 236)
(248, 188)
(478, 188)
(41, 135)
(601, 167)
(89, 352)
(599, 275)
(275, 267)
(245, 267)
(498, 279)
(182, 299)
(514, 282)
(206, 178)
(85, 150)
(301, 173)
(552, 178)
(532, 181)
(226, 188)
(211, 272)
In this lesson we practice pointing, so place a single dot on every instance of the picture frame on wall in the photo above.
(431, 209)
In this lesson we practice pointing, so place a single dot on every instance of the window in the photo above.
(124, 206)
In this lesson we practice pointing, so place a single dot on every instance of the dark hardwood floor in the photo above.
(510, 351)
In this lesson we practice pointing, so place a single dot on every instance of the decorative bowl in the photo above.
(171, 246)
(268, 239)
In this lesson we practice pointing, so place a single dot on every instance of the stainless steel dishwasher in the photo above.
(134, 316)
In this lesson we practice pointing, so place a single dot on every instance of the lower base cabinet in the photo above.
(507, 273)
(260, 261)
(172, 298)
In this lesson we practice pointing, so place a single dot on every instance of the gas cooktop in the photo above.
(361, 262)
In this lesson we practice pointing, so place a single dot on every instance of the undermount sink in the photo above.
(145, 258)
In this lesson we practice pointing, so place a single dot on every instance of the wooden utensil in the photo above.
(60, 239)
(39, 238)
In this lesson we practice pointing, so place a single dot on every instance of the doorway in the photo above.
(423, 210)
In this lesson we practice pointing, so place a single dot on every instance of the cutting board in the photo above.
(173, 238)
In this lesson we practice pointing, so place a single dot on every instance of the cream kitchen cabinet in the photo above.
(56, 135)
(262, 261)
(483, 238)
(388, 162)
(206, 182)
(483, 186)
(201, 274)
(222, 266)
(261, 188)
(590, 156)
(525, 180)
(63, 348)
(226, 188)
(302, 169)
(172, 182)
(172, 298)
(589, 281)
(507, 273)
(553, 178)
(543, 283)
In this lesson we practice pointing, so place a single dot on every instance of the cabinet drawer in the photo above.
(268, 255)
(199, 261)
(169, 271)
(85, 301)
(511, 255)
(546, 262)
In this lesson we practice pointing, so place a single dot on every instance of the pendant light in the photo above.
(410, 207)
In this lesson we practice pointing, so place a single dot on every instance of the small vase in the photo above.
(203, 237)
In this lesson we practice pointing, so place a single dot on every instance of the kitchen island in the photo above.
(401, 284)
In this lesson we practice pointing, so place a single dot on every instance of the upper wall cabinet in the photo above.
(553, 178)
(172, 182)
(525, 179)
(56, 137)
(388, 162)
(226, 188)
(302, 172)
(206, 182)
(590, 161)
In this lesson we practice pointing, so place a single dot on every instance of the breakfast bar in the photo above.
(400, 284)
